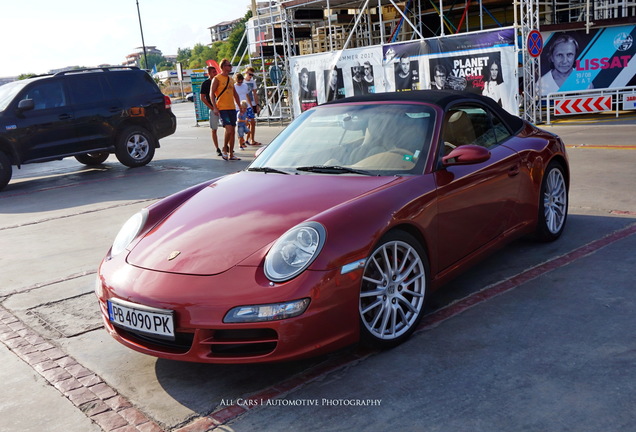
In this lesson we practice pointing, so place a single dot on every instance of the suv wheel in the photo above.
(135, 147)
(92, 158)
(5, 170)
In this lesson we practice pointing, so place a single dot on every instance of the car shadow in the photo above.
(206, 388)
(63, 184)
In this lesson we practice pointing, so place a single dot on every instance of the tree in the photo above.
(153, 60)
(184, 54)
(200, 54)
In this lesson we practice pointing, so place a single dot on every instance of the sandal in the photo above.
(255, 143)
(235, 158)
(218, 152)
(224, 156)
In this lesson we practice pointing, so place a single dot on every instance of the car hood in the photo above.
(225, 223)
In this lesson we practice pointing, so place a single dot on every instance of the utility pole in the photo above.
(143, 44)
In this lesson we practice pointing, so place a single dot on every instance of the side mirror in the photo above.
(26, 105)
(466, 155)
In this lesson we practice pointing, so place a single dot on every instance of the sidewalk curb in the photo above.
(97, 400)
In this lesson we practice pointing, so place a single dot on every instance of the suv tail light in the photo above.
(167, 102)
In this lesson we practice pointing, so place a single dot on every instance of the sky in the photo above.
(39, 35)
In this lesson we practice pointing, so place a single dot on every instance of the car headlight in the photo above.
(266, 312)
(294, 251)
(128, 232)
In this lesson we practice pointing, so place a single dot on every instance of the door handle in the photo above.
(514, 170)
(65, 116)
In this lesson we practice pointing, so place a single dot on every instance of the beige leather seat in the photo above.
(459, 129)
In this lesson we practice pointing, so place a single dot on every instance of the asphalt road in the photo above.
(538, 337)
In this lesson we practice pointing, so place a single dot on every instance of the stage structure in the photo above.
(316, 41)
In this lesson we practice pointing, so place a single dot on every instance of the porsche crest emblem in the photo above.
(173, 255)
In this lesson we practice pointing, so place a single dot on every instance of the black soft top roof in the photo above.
(445, 99)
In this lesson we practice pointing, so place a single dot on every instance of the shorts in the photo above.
(214, 120)
(228, 117)
(250, 113)
(242, 129)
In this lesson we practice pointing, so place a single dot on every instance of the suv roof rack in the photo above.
(95, 69)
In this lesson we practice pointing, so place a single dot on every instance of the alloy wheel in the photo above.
(555, 200)
(392, 292)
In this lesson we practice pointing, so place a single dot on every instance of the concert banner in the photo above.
(601, 59)
(481, 62)
(318, 78)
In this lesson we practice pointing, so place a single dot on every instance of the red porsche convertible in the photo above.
(336, 233)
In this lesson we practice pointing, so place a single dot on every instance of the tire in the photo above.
(135, 147)
(553, 204)
(5, 170)
(393, 290)
(92, 159)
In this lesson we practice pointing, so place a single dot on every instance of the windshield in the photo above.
(8, 92)
(353, 139)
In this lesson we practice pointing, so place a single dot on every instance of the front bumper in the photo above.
(200, 303)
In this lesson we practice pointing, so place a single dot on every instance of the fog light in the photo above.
(267, 312)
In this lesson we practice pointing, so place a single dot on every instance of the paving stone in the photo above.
(103, 391)
(67, 385)
(46, 365)
(56, 375)
(109, 421)
(90, 380)
(133, 416)
(78, 371)
(53, 353)
(117, 403)
(203, 424)
(149, 427)
(81, 396)
(95, 407)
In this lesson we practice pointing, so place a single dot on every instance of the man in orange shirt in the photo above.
(223, 96)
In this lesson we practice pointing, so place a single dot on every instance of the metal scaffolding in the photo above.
(528, 20)
(280, 29)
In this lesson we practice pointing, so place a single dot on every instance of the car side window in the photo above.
(501, 131)
(86, 89)
(46, 95)
(131, 84)
(473, 125)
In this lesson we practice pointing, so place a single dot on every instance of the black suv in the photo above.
(85, 113)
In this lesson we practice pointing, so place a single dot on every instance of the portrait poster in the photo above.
(403, 65)
(575, 60)
(336, 75)
(480, 62)
(407, 66)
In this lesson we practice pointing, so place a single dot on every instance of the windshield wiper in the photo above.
(332, 169)
(267, 170)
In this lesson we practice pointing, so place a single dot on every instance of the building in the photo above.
(221, 31)
(134, 59)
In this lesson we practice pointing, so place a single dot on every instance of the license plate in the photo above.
(144, 319)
